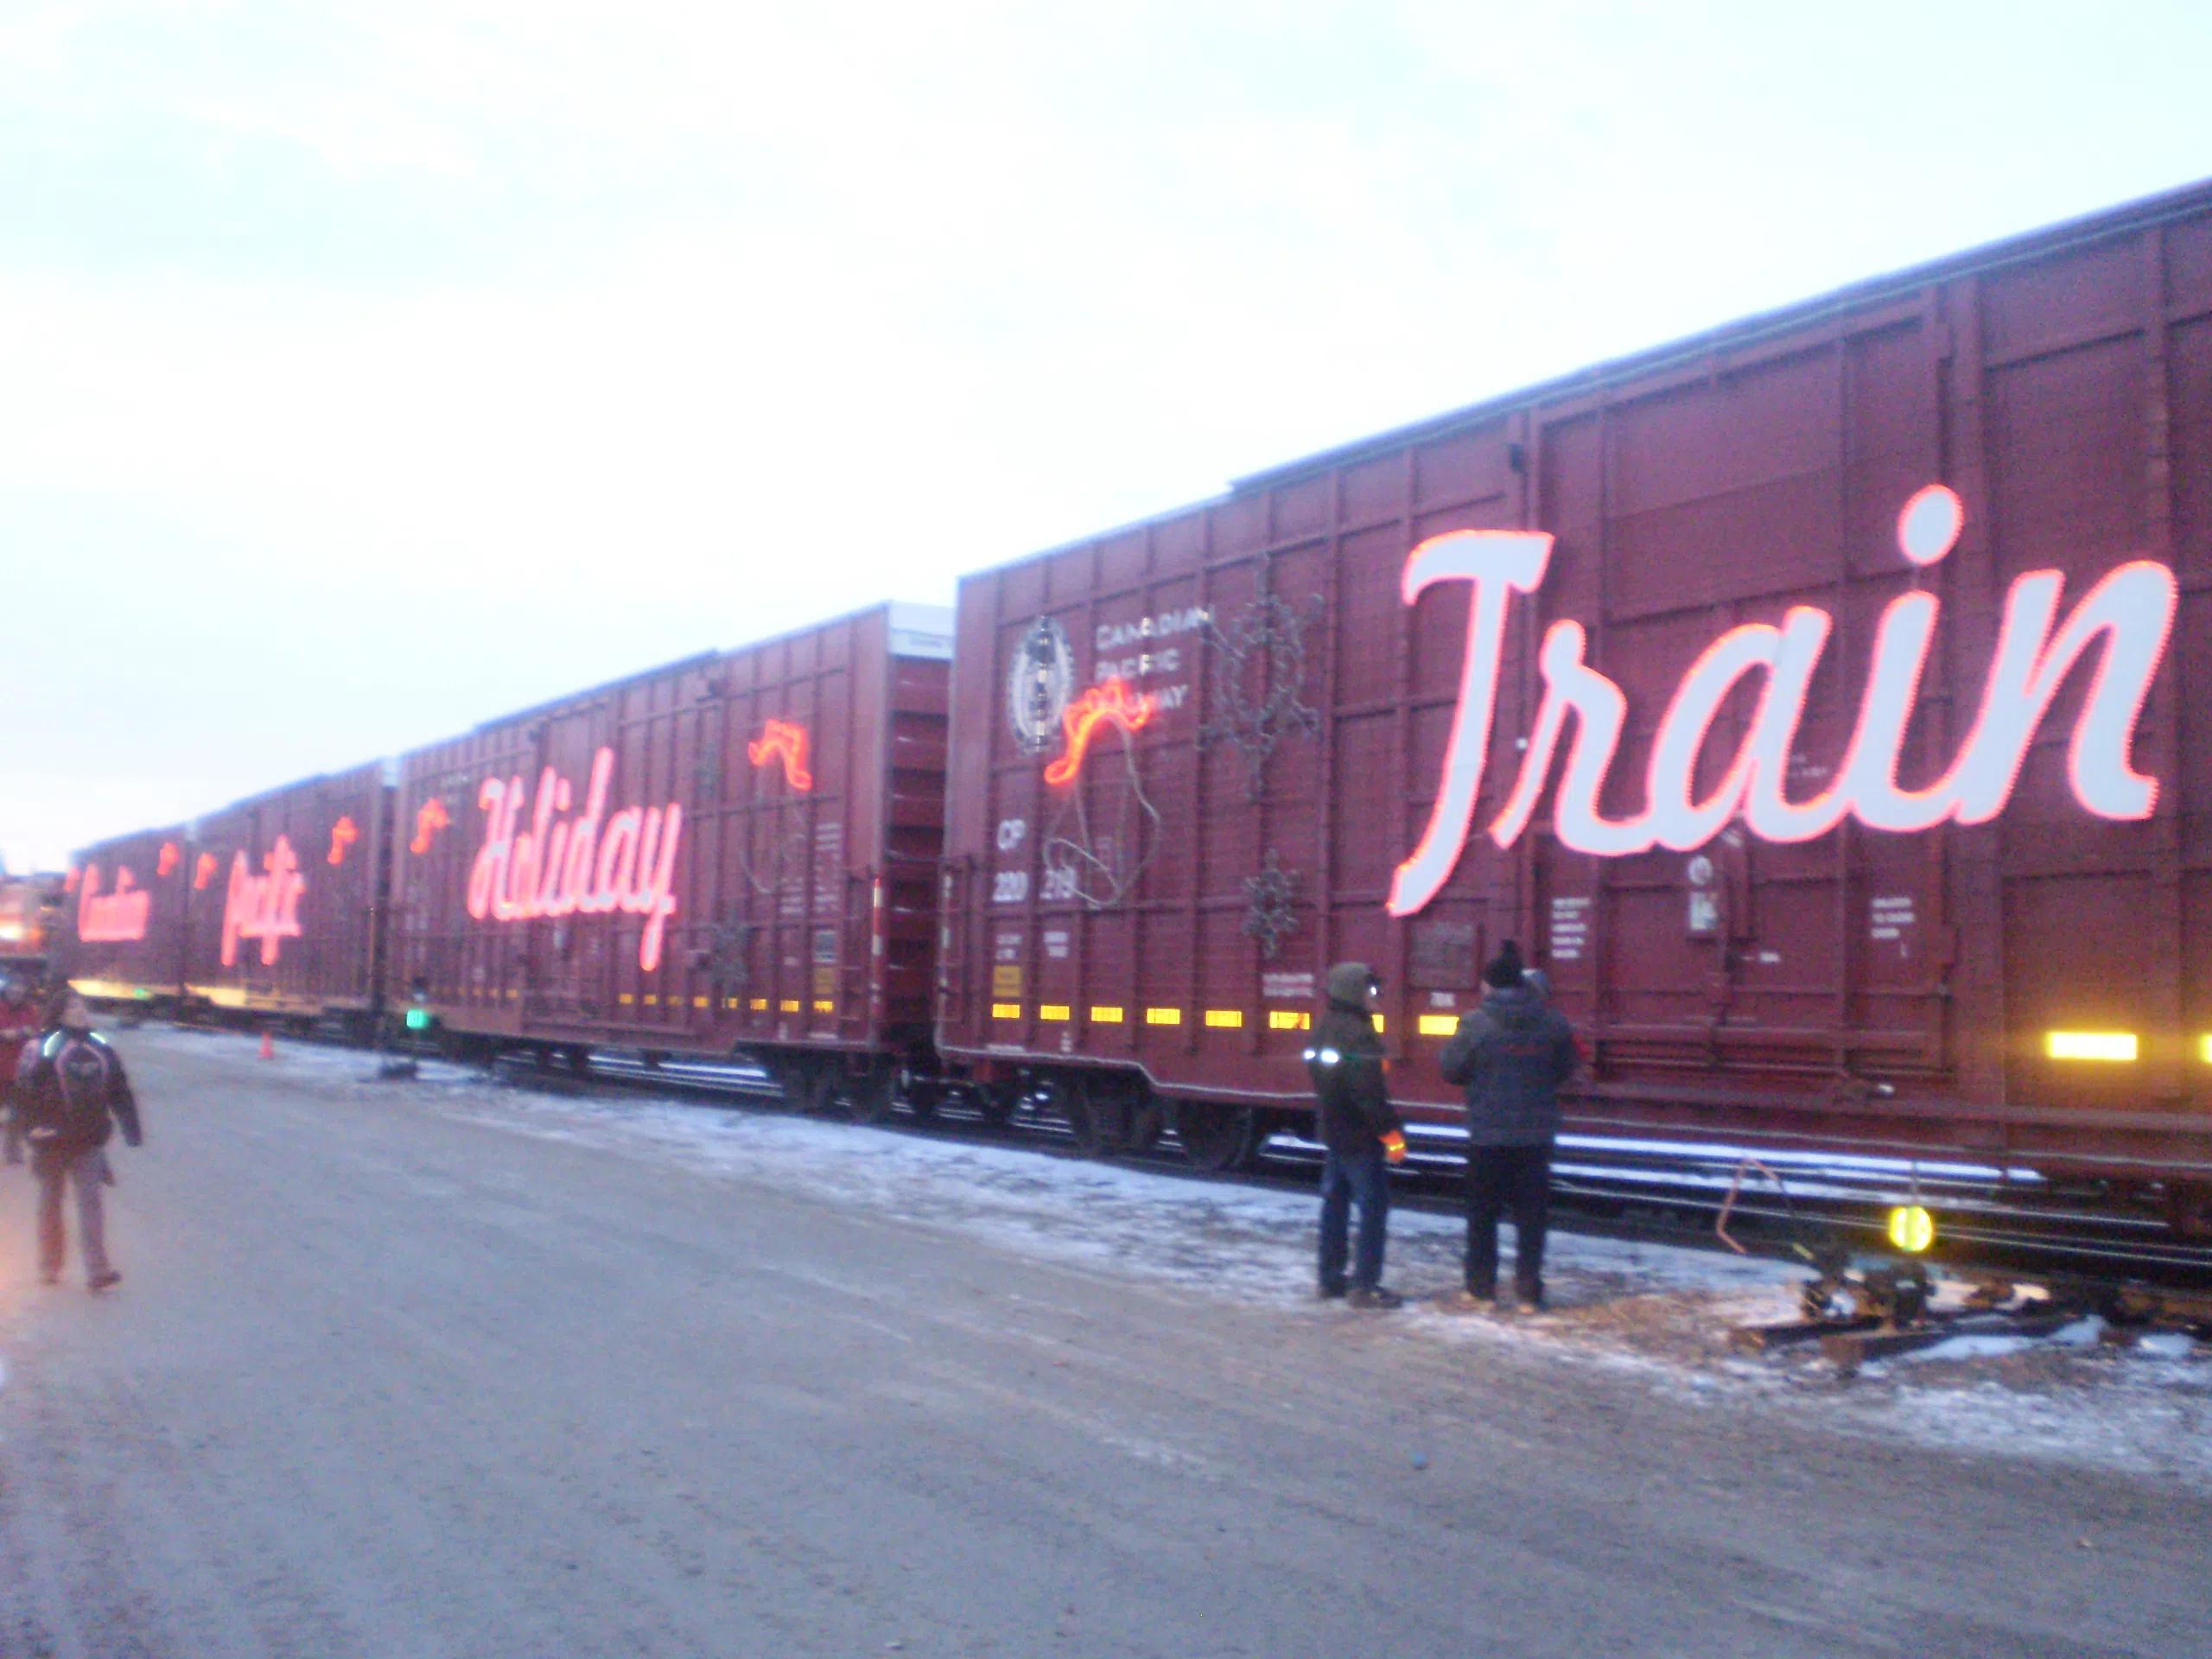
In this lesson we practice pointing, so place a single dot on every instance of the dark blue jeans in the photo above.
(1502, 1180)
(1346, 1177)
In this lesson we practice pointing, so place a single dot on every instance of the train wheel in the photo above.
(874, 1094)
(923, 1096)
(998, 1102)
(1099, 1115)
(2188, 1211)
(1216, 1138)
(821, 1092)
(1148, 1122)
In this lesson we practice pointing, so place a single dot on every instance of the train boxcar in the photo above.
(733, 853)
(287, 897)
(125, 909)
(1820, 702)
(30, 917)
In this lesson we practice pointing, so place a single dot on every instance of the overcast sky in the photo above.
(370, 370)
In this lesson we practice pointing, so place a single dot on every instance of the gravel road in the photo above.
(386, 1381)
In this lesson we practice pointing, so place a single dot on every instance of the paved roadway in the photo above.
(382, 1383)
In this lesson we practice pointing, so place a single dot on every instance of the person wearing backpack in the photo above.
(70, 1094)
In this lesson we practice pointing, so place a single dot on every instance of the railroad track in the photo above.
(1635, 1190)
(1631, 1189)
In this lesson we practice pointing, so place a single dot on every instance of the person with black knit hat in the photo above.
(1511, 1055)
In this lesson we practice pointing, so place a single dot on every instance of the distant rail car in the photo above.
(286, 900)
(1819, 701)
(735, 853)
(30, 917)
(126, 911)
(271, 907)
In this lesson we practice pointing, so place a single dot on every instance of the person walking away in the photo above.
(1361, 1133)
(1511, 1055)
(19, 1023)
(70, 1093)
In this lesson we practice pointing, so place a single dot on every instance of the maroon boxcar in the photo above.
(735, 854)
(1811, 699)
(287, 896)
(30, 917)
(125, 911)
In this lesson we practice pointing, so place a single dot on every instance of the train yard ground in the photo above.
(449, 1367)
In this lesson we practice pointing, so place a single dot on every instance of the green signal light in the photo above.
(418, 1018)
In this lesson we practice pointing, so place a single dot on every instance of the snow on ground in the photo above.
(1656, 1310)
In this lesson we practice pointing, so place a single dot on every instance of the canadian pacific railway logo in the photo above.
(574, 866)
(264, 907)
(1039, 683)
(2131, 610)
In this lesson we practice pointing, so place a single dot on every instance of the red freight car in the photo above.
(733, 853)
(1842, 810)
(288, 900)
(30, 916)
(124, 913)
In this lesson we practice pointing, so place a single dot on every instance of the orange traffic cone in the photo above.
(268, 1047)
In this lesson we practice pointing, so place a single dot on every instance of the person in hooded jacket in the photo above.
(70, 1092)
(1362, 1133)
(1511, 1055)
(19, 1023)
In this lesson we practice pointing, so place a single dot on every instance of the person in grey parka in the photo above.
(1511, 1055)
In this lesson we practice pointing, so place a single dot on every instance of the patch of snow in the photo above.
(2082, 1333)
(1970, 1347)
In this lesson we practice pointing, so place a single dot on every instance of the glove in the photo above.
(1394, 1148)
